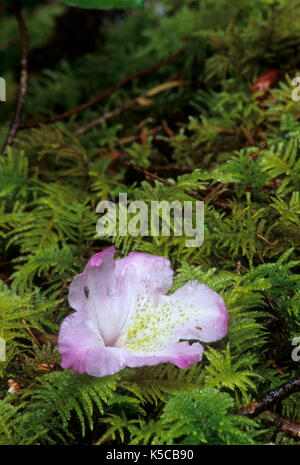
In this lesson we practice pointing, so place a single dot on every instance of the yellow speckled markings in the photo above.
(154, 326)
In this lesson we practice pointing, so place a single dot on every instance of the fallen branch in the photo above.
(106, 93)
(153, 176)
(16, 121)
(30, 332)
(285, 425)
(147, 174)
(104, 118)
(214, 191)
(141, 100)
(273, 397)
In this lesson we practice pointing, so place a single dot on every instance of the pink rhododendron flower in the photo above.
(124, 317)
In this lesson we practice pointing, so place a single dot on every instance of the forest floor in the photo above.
(182, 101)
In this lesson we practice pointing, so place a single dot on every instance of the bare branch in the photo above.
(273, 397)
(153, 176)
(106, 93)
(102, 119)
(16, 122)
(285, 425)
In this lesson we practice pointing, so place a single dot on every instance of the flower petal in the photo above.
(209, 316)
(149, 274)
(77, 291)
(181, 354)
(108, 291)
(91, 293)
(192, 312)
(82, 351)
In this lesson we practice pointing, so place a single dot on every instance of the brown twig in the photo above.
(260, 148)
(16, 121)
(129, 139)
(167, 128)
(30, 332)
(273, 397)
(147, 174)
(262, 238)
(276, 312)
(167, 168)
(248, 136)
(106, 93)
(153, 176)
(214, 202)
(285, 425)
(214, 191)
(102, 119)
(126, 106)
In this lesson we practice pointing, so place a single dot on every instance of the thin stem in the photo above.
(16, 121)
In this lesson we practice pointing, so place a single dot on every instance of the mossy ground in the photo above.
(197, 124)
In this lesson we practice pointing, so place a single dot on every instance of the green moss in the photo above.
(209, 136)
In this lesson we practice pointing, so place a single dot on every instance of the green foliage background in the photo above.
(197, 135)
(101, 4)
